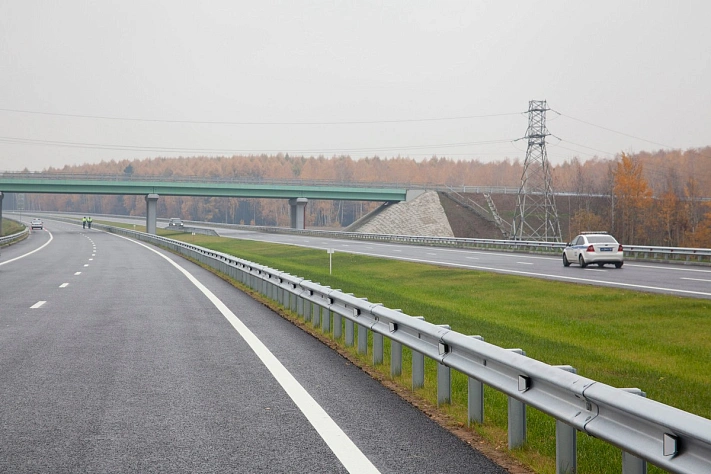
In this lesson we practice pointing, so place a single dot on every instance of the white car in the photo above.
(36, 224)
(593, 247)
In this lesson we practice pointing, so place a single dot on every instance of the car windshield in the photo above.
(601, 239)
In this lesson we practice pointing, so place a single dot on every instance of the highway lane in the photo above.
(133, 364)
(675, 279)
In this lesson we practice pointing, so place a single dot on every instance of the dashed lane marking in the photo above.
(39, 304)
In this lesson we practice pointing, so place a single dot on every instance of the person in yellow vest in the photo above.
(83, 222)
(88, 221)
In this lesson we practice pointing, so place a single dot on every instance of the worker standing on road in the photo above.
(88, 220)
(83, 222)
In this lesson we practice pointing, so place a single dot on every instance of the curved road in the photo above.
(117, 357)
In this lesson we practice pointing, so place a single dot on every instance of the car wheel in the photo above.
(581, 260)
(566, 263)
(619, 264)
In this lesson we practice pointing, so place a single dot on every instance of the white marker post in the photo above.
(330, 260)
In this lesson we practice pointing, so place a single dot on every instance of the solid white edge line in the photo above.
(51, 237)
(340, 444)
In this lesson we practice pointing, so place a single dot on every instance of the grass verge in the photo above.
(10, 227)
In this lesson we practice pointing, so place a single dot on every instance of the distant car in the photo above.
(593, 247)
(175, 222)
(36, 224)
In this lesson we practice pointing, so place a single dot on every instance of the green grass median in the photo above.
(660, 344)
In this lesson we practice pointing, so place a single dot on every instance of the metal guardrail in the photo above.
(646, 430)
(10, 239)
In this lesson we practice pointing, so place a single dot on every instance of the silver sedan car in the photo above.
(598, 248)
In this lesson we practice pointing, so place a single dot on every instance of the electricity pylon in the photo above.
(536, 216)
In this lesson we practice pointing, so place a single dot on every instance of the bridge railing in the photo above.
(645, 430)
(257, 180)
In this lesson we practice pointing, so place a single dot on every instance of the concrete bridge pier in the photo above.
(151, 213)
(1, 213)
(298, 213)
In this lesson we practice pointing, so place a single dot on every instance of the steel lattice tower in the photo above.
(536, 216)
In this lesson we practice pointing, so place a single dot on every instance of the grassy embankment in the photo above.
(11, 227)
(658, 343)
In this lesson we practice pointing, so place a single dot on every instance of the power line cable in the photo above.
(611, 130)
(219, 122)
(15, 140)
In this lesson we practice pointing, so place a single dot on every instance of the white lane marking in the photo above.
(472, 258)
(397, 250)
(525, 263)
(695, 279)
(341, 445)
(433, 254)
(64, 285)
(37, 305)
(86, 264)
(595, 270)
(51, 237)
(77, 273)
(91, 259)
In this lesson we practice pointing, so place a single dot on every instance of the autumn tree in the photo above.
(633, 199)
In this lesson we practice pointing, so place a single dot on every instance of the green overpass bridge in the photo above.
(297, 192)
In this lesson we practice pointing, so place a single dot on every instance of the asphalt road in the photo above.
(117, 357)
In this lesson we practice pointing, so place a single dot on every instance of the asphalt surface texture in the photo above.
(113, 360)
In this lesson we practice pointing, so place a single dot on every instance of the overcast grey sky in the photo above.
(86, 81)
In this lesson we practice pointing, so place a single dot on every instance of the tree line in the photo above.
(658, 198)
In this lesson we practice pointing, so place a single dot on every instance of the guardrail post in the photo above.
(444, 375)
(316, 318)
(350, 332)
(631, 464)
(312, 308)
(337, 325)
(517, 414)
(378, 349)
(475, 398)
(362, 335)
(293, 298)
(395, 356)
(325, 321)
(299, 306)
(418, 366)
(566, 441)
